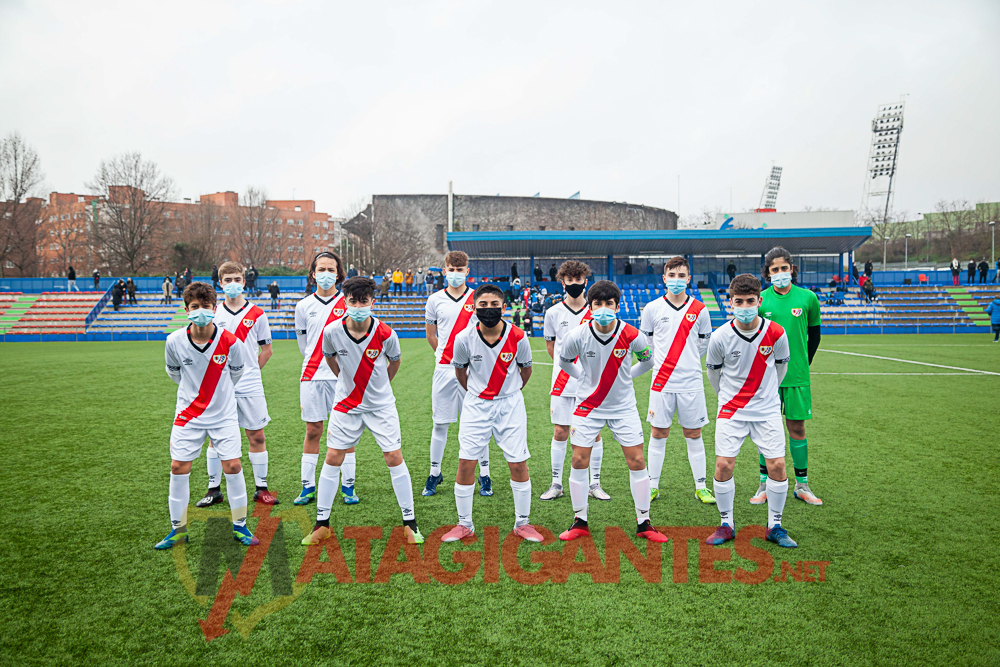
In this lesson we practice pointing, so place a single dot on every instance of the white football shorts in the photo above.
(627, 430)
(503, 419)
(561, 410)
(345, 429)
(446, 395)
(252, 412)
(689, 406)
(769, 436)
(316, 399)
(186, 441)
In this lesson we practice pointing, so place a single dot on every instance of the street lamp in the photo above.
(993, 243)
(906, 252)
(885, 241)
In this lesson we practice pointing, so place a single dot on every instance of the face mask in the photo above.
(326, 279)
(575, 290)
(490, 317)
(456, 278)
(359, 314)
(233, 290)
(781, 280)
(603, 316)
(745, 315)
(676, 285)
(201, 317)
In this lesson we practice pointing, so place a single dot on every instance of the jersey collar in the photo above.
(235, 312)
(497, 341)
(575, 312)
(739, 333)
(680, 307)
(613, 336)
(210, 340)
(358, 341)
(327, 302)
(464, 294)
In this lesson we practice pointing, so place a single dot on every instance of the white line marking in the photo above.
(911, 345)
(541, 363)
(814, 373)
(909, 361)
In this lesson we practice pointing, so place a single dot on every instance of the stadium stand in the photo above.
(52, 313)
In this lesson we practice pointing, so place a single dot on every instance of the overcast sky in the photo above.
(335, 101)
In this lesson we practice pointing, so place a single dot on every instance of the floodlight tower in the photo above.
(769, 197)
(883, 159)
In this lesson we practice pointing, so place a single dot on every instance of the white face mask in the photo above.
(782, 280)
(326, 279)
(456, 278)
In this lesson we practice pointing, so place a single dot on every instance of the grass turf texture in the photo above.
(905, 465)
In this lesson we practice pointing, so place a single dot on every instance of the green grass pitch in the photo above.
(906, 464)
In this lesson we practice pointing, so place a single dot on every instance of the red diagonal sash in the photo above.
(462, 321)
(210, 381)
(501, 367)
(251, 316)
(755, 376)
(365, 368)
(677, 345)
(610, 372)
(563, 377)
(336, 312)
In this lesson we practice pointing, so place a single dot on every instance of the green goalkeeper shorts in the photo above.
(796, 402)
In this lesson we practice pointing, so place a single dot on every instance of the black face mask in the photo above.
(575, 290)
(490, 317)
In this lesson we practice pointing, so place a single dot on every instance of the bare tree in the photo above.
(253, 228)
(134, 195)
(20, 178)
(201, 238)
(390, 236)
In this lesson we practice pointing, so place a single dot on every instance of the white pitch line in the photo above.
(966, 374)
(910, 361)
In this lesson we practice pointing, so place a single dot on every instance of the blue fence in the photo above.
(98, 307)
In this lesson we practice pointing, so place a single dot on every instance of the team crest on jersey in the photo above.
(338, 311)
(796, 312)
(469, 307)
(506, 357)
(691, 317)
(248, 323)
(765, 350)
(219, 358)
(371, 354)
(620, 352)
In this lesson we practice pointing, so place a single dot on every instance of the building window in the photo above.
(541, 228)
(298, 208)
(475, 228)
(316, 249)
(315, 223)
(510, 228)
(300, 223)
(439, 238)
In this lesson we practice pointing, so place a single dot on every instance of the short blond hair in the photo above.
(231, 267)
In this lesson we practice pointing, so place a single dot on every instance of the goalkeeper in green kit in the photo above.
(797, 311)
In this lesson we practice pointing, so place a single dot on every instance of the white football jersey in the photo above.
(363, 385)
(680, 339)
(312, 314)
(452, 316)
(748, 388)
(559, 321)
(249, 325)
(605, 388)
(205, 378)
(493, 369)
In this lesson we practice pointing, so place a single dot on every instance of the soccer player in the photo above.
(492, 362)
(797, 311)
(559, 321)
(679, 328)
(448, 313)
(605, 396)
(747, 360)
(249, 324)
(364, 355)
(318, 384)
(206, 362)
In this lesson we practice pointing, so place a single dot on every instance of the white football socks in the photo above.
(522, 501)
(657, 452)
(403, 488)
(439, 438)
(463, 501)
(776, 494)
(596, 457)
(214, 468)
(578, 490)
(558, 457)
(236, 488)
(348, 469)
(639, 483)
(725, 494)
(309, 462)
(258, 461)
(178, 498)
(326, 491)
(696, 458)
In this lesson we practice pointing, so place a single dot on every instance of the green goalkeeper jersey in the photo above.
(795, 312)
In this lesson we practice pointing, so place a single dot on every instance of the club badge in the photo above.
(339, 312)
(371, 354)
(691, 317)
(506, 357)
(248, 323)
(765, 350)
(469, 307)
(620, 352)
(219, 359)
(796, 312)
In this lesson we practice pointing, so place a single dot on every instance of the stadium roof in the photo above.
(828, 241)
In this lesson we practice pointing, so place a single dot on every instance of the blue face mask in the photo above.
(781, 280)
(676, 285)
(326, 279)
(233, 290)
(456, 278)
(745, 315)
(359, 314)
(201, 317)
(603, 316)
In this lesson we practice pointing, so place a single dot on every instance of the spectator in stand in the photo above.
(71, 280)
(834, 281)
(993, 308)
(869, 289)
(351, 272)
(552, 273)
(215, 277)
(984, 269)
(97, 280)
(513, 272)
(429, 282)
(855, 273)
(439, 281)
(628, 268)
(117, 291)
(996, 276)
(870, 268)
(731, 270)
(383, 287)
(130, 290)
(538, 273)
(256, 274)
(955, 270)
(516, 318)
(419, 281)
(187, 276)
(397, 282)
(649, 268)
(972, 271)
(179, 284)
(274, 291)
(167, 285)
(310, 286)
(408, 281)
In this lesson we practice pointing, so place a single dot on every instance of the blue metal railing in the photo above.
(98, 307)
